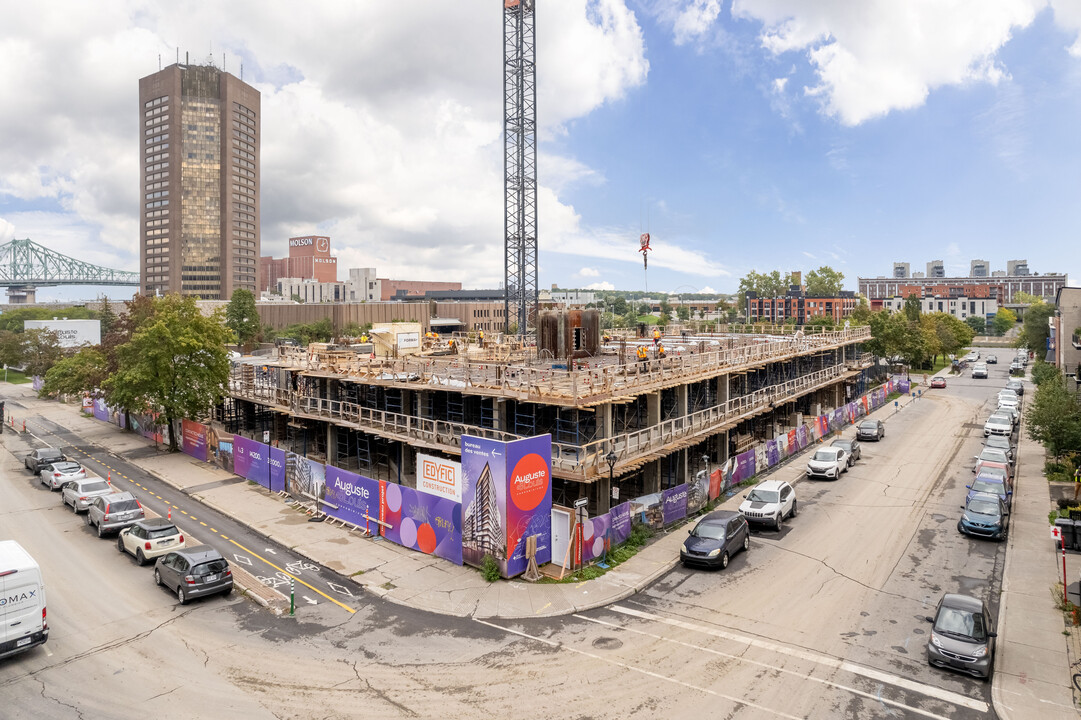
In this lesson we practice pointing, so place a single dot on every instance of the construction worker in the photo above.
(643, 353)
(660, 350)
(656, 336)
(364, 338)
(606, 337)
(482, 338)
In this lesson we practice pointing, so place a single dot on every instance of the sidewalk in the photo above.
(1032, 677)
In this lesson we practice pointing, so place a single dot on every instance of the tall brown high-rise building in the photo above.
(199, 182)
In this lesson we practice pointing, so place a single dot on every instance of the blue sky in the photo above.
(757, 134)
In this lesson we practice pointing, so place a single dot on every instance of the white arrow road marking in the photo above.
(310, 601)
(340, 589)
(269, 551)
(243, 559)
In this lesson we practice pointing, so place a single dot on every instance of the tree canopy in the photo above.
(242, 317)
(1034, 329)
(824, 282)
(1003, 321)
(1054, 417)
(771, 284)
(175, 362)
(83, 371)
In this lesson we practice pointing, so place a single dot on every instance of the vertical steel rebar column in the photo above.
(519, 164)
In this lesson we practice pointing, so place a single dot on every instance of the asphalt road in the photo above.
(821, 620)
(270, 562)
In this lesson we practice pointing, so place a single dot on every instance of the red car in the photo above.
(938, 382)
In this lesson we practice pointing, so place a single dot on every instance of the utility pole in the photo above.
(519, 164)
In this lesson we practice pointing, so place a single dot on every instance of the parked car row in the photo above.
(187, 571)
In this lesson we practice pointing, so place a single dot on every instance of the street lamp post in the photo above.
(611, 459)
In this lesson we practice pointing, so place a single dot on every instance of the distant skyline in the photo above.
(743, 135)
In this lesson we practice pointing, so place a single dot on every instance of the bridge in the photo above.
(25, 266)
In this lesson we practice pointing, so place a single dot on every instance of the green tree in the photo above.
(1043, 371)
(861, 315)
(977, 323)
(618, 305)
(11, 348)
(13, 319)
(1034, 330)
(953, 334)
(41, 350)
(1054, 418)
(242, 317)
(823, 321)
(106, 316)
(888, 333)
(82, 372)
(683, 313)
(1004, 320)
(824, 282)
(768, 285)
(644, 308)
(912, 307)
(175, 363)
(1023, 298)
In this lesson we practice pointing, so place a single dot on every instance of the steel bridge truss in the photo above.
(519, 163)
(24, 263)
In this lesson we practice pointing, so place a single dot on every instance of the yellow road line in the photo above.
(225, 538)
(281, 570)
(213, 530)
(202, 523)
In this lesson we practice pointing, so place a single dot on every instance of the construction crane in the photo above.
(519, 164)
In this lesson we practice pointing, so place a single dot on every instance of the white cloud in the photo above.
(589, 272)
(889, 55)
(600, 286)
(1068, 16)
(386, 134)
(694, 20)
(707, 290)
(807, 254)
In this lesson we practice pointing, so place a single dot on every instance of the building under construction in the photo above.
(649, 410)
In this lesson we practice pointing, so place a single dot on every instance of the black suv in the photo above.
(715, 539)
(37, 459)
(193, 572)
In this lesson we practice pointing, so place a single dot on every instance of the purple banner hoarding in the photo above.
(595, 531)
(674, 503)
(422, 521)
(773, 455)
(277, 470)
(353, 496)
(621, 522)
(904, 386)
(744, 467)
(801, 437)
(101, 410)
(506, 497)
(250, 460)
(193, 439)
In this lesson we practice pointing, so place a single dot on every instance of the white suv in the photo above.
(998, 424)
(769, 502)
(828, 462)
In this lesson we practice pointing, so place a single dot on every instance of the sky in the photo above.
(741, 134)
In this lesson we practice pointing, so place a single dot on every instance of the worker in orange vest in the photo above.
(656, 336)
(642, 353)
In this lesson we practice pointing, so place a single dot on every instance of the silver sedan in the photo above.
(59, 473)
(80, 493)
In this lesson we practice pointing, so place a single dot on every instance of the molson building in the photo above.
(309, 259)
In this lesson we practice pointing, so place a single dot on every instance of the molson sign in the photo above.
(506, 497)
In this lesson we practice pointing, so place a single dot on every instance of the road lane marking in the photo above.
(827, 660)
(213, 530)
(773, 668)
(310, 587)
(201, 523)
(649, 673)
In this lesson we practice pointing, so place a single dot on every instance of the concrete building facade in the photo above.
(797, 305)
(199, 182)
(309, 258)
(983, 282)
(959, 307)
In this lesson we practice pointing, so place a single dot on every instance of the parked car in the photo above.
(828, 462)
(990, 454)
(850, 446)
(150, 538)
(871, 430)
(979, 370)
(998, 424)
(992, 485)
(195, 572)
(115, 511)
(938, 381)
(1016, 385)
(962, 637)
(1010, 409)
(1017, 368)
(79, 493)
(1001, 443)
(769, 502)
(37, 459)
(985, 515)
(59, 473)
(992, 360)
(715, 539)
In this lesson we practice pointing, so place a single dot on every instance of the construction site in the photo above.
(638, 411)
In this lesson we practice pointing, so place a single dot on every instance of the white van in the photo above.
(22, 601)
